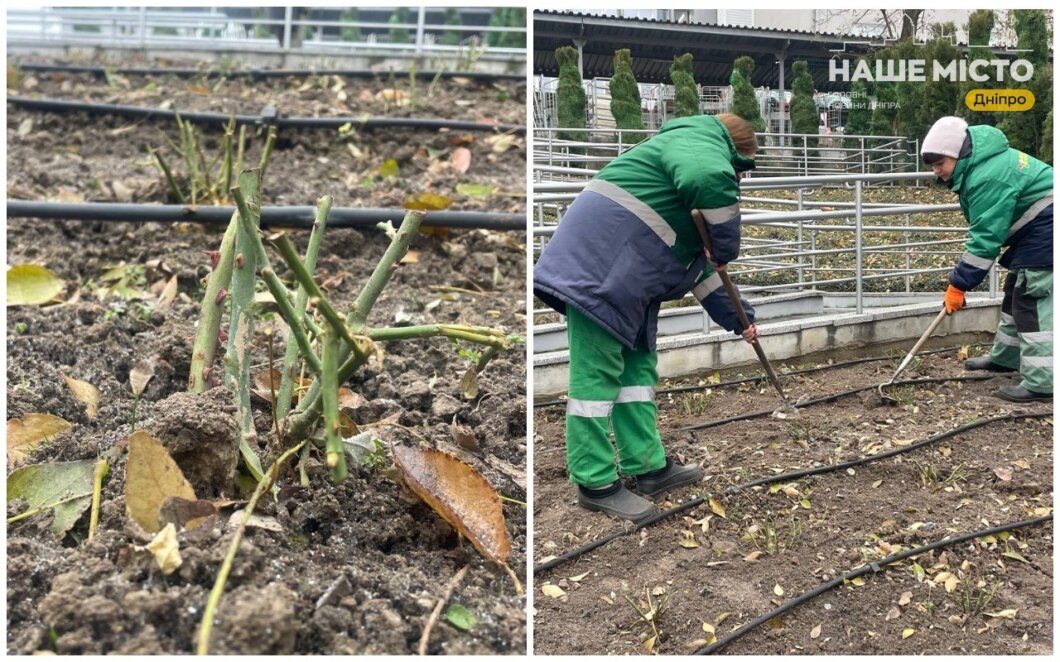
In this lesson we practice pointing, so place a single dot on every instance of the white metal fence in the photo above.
(780, 154)
(278, 28)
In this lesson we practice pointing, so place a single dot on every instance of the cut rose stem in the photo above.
(205, 348)
(214, 600)
(336, 454)
(282, 405)
(241, 324)
(309, 406)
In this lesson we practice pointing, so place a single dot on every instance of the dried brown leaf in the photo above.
(84, 393)
(141, 373)
(23, 434)
(168, 295)
(185, 513)
(460, 495)
(151, 477)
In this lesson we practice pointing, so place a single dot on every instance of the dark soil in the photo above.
(848, 519)
(74, 157)
(357, 567)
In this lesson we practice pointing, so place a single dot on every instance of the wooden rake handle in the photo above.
(734, 297)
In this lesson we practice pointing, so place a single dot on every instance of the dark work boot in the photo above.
(1016, 393)
(617, 501)
(669, 477)
(984, 363)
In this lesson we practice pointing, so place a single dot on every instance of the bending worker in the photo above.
(1007, 198)
(624, 246)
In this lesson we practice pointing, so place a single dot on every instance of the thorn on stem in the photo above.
(240, 260)
(221, 296)
(215, 258)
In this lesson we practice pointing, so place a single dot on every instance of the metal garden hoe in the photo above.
(909, 357)
(697, 218)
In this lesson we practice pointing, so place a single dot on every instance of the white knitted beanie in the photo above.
(945, 137)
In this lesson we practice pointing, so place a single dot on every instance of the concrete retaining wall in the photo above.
(783, 340)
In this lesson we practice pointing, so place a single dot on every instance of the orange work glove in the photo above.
(954, 300)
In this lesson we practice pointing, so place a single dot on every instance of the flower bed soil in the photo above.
(358, 566)
(847, 519)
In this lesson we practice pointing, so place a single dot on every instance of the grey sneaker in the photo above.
(676, 475)
(1016, 393)
(984, 363)
(623, 504)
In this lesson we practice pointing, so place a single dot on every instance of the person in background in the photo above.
(1007, 198)
(624, 246)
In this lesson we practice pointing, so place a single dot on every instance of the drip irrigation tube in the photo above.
(779, 478)
(191, 72)
(366, 123)
(831, 398)
(745, 380)
(298, 217)
(876, 566)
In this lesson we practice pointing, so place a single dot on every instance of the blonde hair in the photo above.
(742, 133)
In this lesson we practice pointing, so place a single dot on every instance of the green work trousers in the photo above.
(611, 388)
(1024, 339)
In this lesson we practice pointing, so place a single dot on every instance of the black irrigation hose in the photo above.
(366, 123)
(876, 566)
(831, 398)
(759, 378)
(300, 217)
(190, 72)
(779, 478)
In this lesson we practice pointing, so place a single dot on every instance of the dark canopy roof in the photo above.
(654, 44)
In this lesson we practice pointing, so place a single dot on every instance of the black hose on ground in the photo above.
(876, 566)
(762, 378)
(294, 217)
(830, 398)
(780, 478)
(191, 72)
(219, 119)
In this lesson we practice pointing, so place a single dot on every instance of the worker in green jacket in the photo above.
(624, 246)
(1007, 198)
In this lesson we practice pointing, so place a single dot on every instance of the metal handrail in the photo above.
(211, 31)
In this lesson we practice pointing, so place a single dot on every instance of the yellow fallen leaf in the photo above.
(84, 393)
(857, 581)
(878, 483)
(791, 491)
(32, 285)
(553, 591)
(778, 590)
(578, 578)
(166, 550)
(23, 434)
(1004, 613)
(753, 556)
(690, 543)
(151, 477)
(815, 632)
(908, 632)
(951, 583)
(721, 617)
(708, 627)
(650, 643)
(716, 506)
